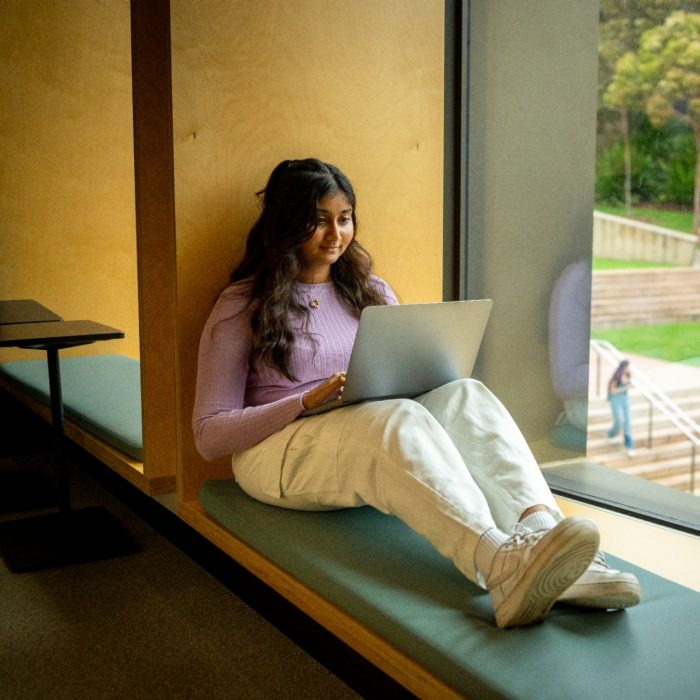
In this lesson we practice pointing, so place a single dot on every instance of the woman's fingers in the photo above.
(333, 386)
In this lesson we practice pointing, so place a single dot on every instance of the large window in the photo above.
(552, 132)
(646, 274)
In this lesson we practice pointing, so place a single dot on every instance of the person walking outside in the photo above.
(618, 397)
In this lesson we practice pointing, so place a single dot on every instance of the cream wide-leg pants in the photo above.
(451, 464)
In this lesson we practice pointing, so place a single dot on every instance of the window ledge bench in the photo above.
(381, 588)
(387, 593)
(102, 406)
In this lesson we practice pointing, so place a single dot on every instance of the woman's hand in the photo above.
(330, 389)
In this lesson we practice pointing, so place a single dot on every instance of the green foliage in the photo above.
(622, 23)
(663, 75)
(679, 177)
(624, 90)
(668, 69)
(610, 176)
(663, 165)
(650, 63)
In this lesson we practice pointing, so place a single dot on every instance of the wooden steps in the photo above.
(637, 297)
(667, 460)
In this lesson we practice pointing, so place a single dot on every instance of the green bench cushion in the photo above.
(569, 437)
(101, 393)
(380, 572)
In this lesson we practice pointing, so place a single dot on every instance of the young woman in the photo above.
(451, 463)
(618, 387)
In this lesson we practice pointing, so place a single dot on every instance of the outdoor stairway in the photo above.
(667, 461)
(637, 297)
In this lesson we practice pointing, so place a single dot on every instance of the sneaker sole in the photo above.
(611, 595)
(556, 564)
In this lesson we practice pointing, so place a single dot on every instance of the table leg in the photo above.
(62, 478)
(70, 536)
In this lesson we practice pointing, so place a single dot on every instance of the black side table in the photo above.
(25, 489)
(68, 536)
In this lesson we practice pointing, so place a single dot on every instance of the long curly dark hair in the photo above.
(617, 374)
(272, 260)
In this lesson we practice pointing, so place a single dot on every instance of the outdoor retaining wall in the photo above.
(625, 239)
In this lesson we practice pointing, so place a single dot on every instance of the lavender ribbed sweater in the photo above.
(237, 406)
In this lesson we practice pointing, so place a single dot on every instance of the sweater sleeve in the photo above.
(221, 422)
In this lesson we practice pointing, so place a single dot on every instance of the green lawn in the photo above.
(676, 342)
(610, 264)
(675, 220)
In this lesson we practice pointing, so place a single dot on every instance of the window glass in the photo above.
(645, 303)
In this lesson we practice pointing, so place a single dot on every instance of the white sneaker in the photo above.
(602, 587)
(530, 571)
(630, 452)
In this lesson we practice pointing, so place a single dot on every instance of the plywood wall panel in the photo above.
(356, 83)
(66, 148)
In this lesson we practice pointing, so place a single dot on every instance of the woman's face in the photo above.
(329, 241)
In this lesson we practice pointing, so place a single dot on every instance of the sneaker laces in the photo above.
(520, 529)
(521, 537)
(599, 561)
(521, 532)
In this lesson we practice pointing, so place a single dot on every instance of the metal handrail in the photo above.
(656, 398)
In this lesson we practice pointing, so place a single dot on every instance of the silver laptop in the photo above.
(408, 349)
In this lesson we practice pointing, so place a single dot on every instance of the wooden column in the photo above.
(155, 227)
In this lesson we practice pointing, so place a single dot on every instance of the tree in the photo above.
(623, 94)
(664, 76)
(622, 24)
